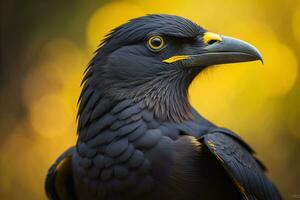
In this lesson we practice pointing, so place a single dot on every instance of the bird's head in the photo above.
(153, 59)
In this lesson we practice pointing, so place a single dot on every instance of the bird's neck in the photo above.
(166, 95)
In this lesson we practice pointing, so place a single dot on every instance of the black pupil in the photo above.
(156, 42)
(212, 41)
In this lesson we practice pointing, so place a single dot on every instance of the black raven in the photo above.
(139, 137)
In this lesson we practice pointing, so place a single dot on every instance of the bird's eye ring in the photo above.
(156, 43)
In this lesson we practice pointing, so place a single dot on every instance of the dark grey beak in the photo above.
(228, 50)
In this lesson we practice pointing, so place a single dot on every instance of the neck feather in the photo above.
(166, 95)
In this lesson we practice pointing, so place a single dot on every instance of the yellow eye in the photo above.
(156, 43)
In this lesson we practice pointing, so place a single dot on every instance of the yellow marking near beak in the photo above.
(209, 36)
(176, 58)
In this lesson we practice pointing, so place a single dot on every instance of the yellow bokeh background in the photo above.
(259, 102)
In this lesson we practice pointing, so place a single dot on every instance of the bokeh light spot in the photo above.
(50, 117)
(280, 72)
(60, 65)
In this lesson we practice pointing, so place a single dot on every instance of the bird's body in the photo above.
(139, 138)
(147, 156)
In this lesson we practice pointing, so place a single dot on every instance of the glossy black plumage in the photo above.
(139, 138)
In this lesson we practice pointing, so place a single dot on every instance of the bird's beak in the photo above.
(219, 50)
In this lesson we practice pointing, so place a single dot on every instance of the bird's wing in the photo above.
(239, 162)
(59, 181)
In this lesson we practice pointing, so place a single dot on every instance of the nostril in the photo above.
(210, 42)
